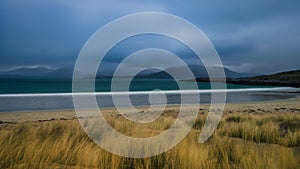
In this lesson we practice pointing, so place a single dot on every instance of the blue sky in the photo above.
(250, 36)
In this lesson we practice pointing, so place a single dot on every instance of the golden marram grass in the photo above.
(242, 140)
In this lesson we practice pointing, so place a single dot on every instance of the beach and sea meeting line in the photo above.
(47, 101)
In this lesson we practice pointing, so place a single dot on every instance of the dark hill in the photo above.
(289, 79)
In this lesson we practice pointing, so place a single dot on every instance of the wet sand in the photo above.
(280, 106)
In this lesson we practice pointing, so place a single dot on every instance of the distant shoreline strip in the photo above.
(153, 92)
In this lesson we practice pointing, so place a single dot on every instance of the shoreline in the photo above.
(144, 106)
(64, 101)
(292, 104)
(266, 89)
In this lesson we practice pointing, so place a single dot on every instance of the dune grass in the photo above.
(282, 129)
(241, 141)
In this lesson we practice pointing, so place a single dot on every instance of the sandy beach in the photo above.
(261, 107)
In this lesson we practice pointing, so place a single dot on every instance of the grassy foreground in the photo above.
(242, 140)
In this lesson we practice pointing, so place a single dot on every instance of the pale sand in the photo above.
(281, 106)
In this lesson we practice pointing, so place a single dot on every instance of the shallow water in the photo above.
(23, 102)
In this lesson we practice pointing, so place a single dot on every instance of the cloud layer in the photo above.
(250, 36)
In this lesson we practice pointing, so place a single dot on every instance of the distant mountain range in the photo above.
(42, 72)
(198, 72)
(37, 72)
(290, 78)
(26, 72)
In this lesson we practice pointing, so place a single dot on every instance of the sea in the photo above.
(50, 94)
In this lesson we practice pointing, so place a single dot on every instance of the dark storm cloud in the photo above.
(247, 34)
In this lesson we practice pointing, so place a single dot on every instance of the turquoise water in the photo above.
(57, 93)
(19, 86)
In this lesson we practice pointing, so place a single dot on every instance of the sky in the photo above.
(250, 36)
